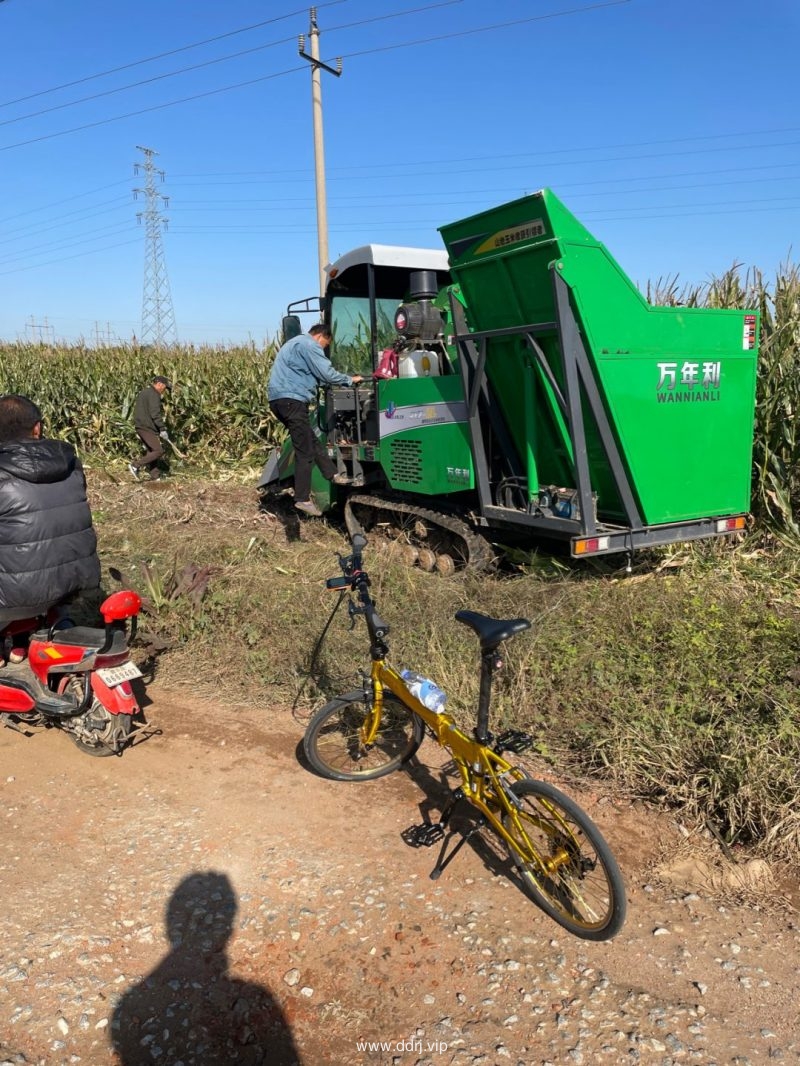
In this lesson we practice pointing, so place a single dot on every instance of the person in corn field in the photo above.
(148, 421)
(48, 546)
(300, 366)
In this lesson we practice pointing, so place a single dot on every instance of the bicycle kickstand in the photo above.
(429, 833)
(442, 862)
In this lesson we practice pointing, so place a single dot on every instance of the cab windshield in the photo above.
(351, 347)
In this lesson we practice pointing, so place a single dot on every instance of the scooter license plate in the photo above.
(115, 675)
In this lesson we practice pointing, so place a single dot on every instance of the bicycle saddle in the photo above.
(492, 631)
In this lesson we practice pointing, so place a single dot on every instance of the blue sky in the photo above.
(671, 129)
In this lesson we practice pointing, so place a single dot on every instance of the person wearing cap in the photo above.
(148, 421)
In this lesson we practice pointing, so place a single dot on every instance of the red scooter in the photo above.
(77, 679)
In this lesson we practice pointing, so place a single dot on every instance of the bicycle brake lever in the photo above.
(352, 610)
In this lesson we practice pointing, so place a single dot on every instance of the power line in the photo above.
(65, 242)
(451, 160)
(144, 81)
(563, 185)
(212, 62)
(164, 55)
(292, 70)
(486, 29)
(282, 203)
(762, 167)
(78, 214)
(78, 255)
(147, 110)
(66, 199)
(408, 172)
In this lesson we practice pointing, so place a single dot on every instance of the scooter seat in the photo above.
(85, 637)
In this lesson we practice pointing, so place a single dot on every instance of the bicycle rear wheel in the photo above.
(333, 740)
(576, 879)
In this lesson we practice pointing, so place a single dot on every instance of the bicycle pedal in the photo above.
(423, 836)
(513, 740)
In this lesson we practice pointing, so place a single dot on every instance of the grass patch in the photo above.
(678, 684)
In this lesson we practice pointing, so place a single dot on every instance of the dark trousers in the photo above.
(307, 448)
(152, 443)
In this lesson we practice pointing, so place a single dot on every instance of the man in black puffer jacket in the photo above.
(48, 547)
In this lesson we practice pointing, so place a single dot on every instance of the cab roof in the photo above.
(390, 255)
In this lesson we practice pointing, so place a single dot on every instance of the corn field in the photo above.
(218, 410)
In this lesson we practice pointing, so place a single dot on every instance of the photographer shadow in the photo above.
(190, 1009)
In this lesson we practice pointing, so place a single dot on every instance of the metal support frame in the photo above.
(373, 314)
(579, 384)
(569, 340)
(577, 366)
(472, 361)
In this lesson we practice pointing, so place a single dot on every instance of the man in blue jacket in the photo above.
(48, 548)
(300, 366)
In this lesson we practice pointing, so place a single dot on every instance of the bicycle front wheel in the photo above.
(573, 875)
(334, 745)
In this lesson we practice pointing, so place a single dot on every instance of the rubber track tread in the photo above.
(479, 553)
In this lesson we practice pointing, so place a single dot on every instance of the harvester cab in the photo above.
(524, 390)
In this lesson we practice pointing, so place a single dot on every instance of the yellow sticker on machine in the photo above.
(523, 231)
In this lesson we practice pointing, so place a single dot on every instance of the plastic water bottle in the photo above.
(425, 690)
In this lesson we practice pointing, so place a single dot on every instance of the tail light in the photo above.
(729, 525)
(590, 545)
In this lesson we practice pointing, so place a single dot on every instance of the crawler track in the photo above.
(472, 550)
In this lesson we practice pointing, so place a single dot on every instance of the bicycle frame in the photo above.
(564, 865)
(481, 769)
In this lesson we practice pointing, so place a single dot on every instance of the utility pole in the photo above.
(158, 316)
(319, 146)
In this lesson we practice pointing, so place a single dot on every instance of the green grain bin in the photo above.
(665, 394)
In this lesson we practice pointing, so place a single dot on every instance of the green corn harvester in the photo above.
(534, 395)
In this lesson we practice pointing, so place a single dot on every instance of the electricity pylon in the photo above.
(158, 316)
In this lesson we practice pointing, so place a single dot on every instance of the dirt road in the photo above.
(206, 899)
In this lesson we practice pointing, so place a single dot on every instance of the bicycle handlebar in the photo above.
(357, 580)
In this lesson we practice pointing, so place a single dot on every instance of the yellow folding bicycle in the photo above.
(563, 862)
